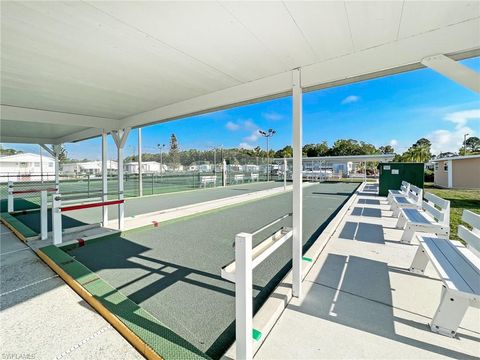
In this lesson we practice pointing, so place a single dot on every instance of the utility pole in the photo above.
(160, 147)
(267, 134)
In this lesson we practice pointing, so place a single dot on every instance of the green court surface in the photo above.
(18, 204)
(147, 204)
(173, 271)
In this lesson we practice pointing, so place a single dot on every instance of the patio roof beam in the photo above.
(454, 71)
(57, 118)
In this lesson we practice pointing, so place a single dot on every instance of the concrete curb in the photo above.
(142, 220)
(265, 319)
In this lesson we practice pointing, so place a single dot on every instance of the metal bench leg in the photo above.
(407, 235)
(419, 262)
(402, 221)
(450, 313)
(443, 233)
(395, 210)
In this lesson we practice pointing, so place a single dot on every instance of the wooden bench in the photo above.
(433, 217)
(404, 188)
(412, 200)
(238, 178)
(205, 180)
(253, 177)
(459, 269)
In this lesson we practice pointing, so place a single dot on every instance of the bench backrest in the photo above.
(208, 178)
(415, 193)
(437, 207)
(254, 176)
(238, 177)
(405, 187)
(471, 237)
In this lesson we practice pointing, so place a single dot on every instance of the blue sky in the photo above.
(394, 110)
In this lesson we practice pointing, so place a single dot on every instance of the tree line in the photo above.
(420, 151)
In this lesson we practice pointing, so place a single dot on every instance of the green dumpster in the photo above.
(392, 175)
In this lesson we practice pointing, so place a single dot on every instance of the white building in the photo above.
(148, 167)
(26, 167)
(87, 167)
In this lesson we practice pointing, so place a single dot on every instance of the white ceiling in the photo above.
(134, 63)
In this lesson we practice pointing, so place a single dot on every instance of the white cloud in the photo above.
(350, 99)
(232, 126)
(272, 116)
(252, 137)
(393, 142)
(452, 140)
(460, 118)
(446, 140)
(250, 125)
(245, 145)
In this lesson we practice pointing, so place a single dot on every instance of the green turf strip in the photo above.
(18, 225)
(155, 334)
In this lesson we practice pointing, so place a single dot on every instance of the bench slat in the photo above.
(415, 216)
(437, 214)
(447, 272)
(471, 218)
(469, 237)
(468, 271)
(444, 204)
(403, 200)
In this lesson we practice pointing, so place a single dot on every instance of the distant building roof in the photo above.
(24, 157)
(457, 158)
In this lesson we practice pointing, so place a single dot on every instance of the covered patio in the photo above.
(77, 70)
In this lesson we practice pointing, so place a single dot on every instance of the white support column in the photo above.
(10, 206)
(104, 178)
(243, 296)
(57, 219)
(140, 177)
(120, 138)
(41, 164)
(365, 173)
(43, 215)
(297, 184)
(455, 71)
(450, 173)
(56, 151)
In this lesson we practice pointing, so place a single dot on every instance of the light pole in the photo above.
(465, 144)
(160, 147)
(267, 134)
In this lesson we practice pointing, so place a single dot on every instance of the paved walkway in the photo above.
(42, 318)
(360, 302)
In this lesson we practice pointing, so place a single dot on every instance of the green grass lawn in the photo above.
(459, 200)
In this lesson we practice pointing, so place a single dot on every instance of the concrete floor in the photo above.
(42, 318)
(360, 302)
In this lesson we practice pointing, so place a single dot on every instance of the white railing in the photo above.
(240, 271)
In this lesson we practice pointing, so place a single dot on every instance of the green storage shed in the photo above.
(392, 174)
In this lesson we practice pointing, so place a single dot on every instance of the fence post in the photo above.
(43, 215)
(57, 219)
(243, 296)
(10, 197)
(284, 173)
(224, 173)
